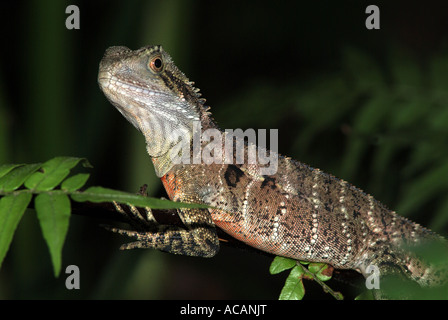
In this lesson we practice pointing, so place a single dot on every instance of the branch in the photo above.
(106, 211)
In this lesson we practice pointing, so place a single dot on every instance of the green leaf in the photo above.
(438, 71)
(53, 212)
(434, 252)
(280, 264)
(293, 288)
(76, 182)
(16, 177)
(54, 171)
(405, 70)
(364, 70)
(100, 194)
(12, 208)
(365, 295)
(440, 217)
(4, 169)
(319, 269)
(366, 126)
(424, 188)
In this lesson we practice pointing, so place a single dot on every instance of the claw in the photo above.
(132, 245)
(143, 190)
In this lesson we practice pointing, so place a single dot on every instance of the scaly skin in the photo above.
(298, 212)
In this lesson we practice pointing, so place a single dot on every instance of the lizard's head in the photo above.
(151, 92)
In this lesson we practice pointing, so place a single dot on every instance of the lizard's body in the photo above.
(298, 212)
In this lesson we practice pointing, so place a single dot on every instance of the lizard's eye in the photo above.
(156, 64)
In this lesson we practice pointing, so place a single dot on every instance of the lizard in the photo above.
(298, 212)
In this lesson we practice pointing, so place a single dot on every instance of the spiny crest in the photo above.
(176, 77)
(178, 81)
(172, 78)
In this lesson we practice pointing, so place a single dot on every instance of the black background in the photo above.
(254, 61)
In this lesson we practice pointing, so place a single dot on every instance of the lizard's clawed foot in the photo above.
(140, 219)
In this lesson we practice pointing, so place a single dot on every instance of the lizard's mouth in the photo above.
(112, 85)
(104, 80)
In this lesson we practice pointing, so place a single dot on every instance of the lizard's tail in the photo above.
(405, 248)
(423, 253)
(410, 251)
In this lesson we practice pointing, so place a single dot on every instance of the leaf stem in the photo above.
(308, 274)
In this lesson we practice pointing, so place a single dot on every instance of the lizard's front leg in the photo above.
(198, 238)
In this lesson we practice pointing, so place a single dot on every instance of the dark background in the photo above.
(369, 106)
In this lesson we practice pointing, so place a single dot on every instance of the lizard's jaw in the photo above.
(124, 97)
(159, 115)
(161, 103)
